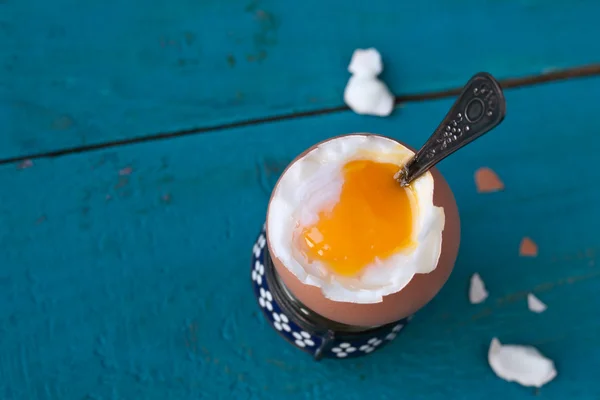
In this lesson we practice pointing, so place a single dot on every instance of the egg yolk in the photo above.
(371, 220)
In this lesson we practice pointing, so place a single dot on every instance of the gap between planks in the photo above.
(509, 83)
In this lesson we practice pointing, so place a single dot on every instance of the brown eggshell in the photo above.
(421, 289)
(528, 248)
(487, 181)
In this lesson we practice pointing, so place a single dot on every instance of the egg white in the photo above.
(314, 183)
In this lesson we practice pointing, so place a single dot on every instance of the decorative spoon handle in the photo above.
(479, 108)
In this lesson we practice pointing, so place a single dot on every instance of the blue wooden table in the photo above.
(140, 141)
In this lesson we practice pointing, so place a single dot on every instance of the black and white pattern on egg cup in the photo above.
(304, 328)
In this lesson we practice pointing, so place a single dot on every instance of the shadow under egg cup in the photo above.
(325, 328)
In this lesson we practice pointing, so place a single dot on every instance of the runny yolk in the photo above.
(371, 220)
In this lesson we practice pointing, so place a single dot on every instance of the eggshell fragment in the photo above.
(522, 364)
(487, 181)
(364, 93)
(534, 304)
(368, 96)
(528, 248)
(477, 291)
(366, 63)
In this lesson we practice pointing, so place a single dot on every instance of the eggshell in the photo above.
(528, 248)
(535, 305)
(487, 181)
(421, 289)
(477, 291)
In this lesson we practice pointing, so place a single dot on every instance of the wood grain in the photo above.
(124, 273)
(83, 73)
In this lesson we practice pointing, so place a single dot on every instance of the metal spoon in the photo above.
(480, 107)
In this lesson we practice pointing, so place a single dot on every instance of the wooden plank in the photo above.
(124, 273)
(79, 73)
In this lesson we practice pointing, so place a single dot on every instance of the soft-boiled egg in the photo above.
(340, 223)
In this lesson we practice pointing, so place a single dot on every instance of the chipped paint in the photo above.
(125, 171)
(25, 164)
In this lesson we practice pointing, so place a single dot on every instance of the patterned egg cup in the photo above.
(304, 328)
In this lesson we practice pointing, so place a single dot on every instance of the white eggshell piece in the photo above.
(477, 291)
(535, 304)
(364, 93)
(368, 96)
(365, 63)
(522, 364)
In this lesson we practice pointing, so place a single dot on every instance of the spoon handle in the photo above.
(480, 107)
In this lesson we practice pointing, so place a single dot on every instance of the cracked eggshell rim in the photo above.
(421, 289)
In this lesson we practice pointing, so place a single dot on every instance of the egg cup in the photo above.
(330, 320)
(302, 327)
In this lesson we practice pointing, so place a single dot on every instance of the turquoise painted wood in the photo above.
(124, 274)
(77, 73)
